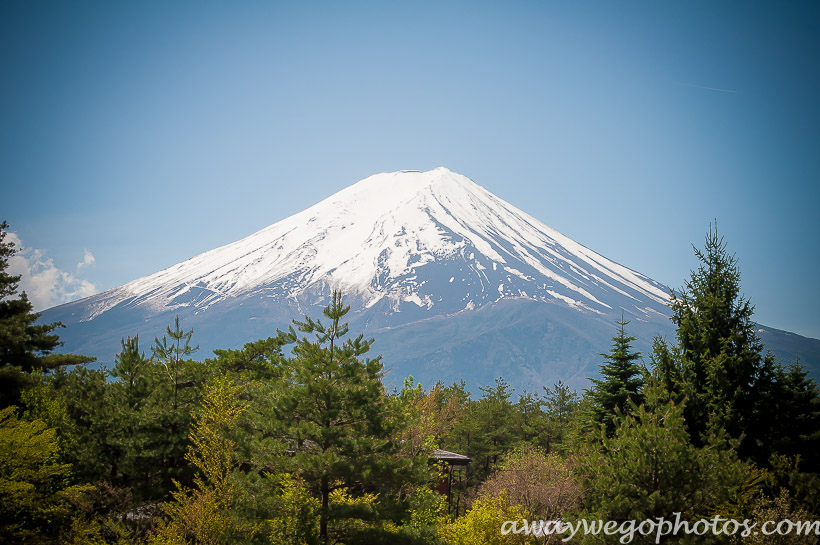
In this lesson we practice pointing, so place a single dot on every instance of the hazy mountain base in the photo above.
(530, 343)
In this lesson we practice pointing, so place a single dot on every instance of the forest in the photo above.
(294, 439)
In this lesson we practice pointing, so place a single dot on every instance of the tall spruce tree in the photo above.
(621, 380)
(25, 346)
(717, 364)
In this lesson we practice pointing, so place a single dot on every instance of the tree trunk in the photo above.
(323, 516)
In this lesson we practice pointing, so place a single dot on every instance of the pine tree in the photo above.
(174, 395)
(621, 381)
(172, 356)
(561, 405)
(131, 368)
(334, 413)
(493, 419)
(132, 438)
(25, 346)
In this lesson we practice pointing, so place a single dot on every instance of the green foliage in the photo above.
(257, 360)
(718, 367)
(90, 430)
(717, 362)
(803, 487)
(130, 369)
(129, 432)
(297, 521)
(309, 448)
(426, 508)
(36, 504)
(173, 355)
(481, 525)
(42, 404)
(489, 428)
(351, 513)
(334, 416)
(562, 408)
(621, 381)
(650, 469)
(199, 514)
(25, 347)
(778, 509)
(533, 422)
(424, 417)
(793, 406)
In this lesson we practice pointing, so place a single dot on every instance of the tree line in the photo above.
(294, 438)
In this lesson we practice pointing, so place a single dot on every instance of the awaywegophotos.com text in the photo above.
(659, 527)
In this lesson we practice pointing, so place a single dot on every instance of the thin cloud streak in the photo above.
(708, 88)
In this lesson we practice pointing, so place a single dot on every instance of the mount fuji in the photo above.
(453, 283)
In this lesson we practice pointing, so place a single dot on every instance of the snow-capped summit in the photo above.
(390, 237)
(452, 282)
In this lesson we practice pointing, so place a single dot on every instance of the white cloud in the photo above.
(88, 259)
(45, 284)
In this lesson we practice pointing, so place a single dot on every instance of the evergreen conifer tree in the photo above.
(172, 356)
(493, 419)
(561, 404)
(621, 380)
(334, 415)
(25, 346)
(174, 395)
(717, 364)
(650, 469)
(796, 412)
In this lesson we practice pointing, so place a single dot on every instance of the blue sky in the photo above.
(143, 133)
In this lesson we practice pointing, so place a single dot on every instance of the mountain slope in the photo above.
(426, 259)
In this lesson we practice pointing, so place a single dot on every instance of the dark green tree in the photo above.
(176, 393)
(717, 363)
(259, 367)
(649, 469)
(489, 429)
(533, 420)
(131, 369)
(257, 360)
(335, 418)
(561, 405)
(134, 403)
(25, 346)
(621, 380)
(132, 431)
(792, 413)
(173, 354)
